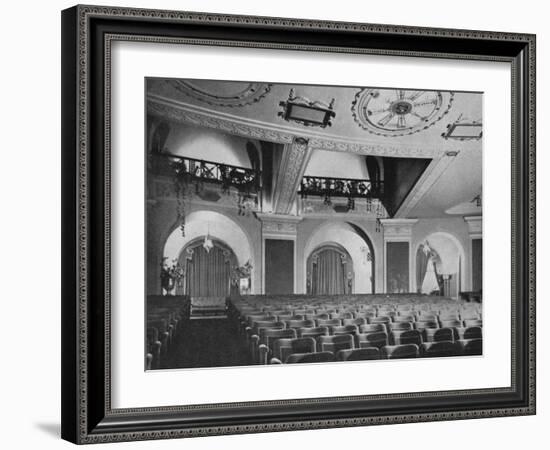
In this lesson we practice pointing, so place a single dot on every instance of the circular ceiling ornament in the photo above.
(223, 93)
(399, 112)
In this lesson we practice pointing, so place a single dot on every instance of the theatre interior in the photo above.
(309, 224)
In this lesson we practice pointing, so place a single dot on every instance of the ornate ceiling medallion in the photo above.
(219, 93)
(399, 112)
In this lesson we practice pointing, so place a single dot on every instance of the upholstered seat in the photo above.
(473, 323)
(373, 328)
(283, 348)
(300, 358)
(393, 326)
(407, 337)
(358, 354)
(451, 323)
(300, 323)
(357, 321)
(440, 349)
(329, 323)
(342, 315)
(399, 351)
(405, 318)
(378, 339)
(345, 329)
(380, 319)
(336, 343)
(469, 333)
(439, 334)
(315, 332)
(471, 347)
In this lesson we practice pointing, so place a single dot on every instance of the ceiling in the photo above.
(366, 121)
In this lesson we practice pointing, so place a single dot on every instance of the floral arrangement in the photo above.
(242, 271)
(170, 274)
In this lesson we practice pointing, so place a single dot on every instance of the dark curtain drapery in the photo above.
(208, 274)
(328, 273)
(421, 266)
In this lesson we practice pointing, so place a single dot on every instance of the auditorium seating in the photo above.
(395, 326)
(310, 357)
(439, 334)
(315, 333)
(440, 349)
(165, 316)
(471, 346)
(469, 333)
(262, 348)
(378, 339)
(358, 354)
(373, 328)
(399, 351)
(335, 343)
(345, 329)
(407, 337)
(283, 348)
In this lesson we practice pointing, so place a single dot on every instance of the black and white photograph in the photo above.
(275, 225)
(297, 223)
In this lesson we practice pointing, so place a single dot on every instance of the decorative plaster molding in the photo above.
(289, 176)
(279, 224)
(217, 122)
(373, 149)
(369, 102)
(432, 173)
(475, 226)
(397, 229)
(282, 134)
(252, 93)
(316, 207)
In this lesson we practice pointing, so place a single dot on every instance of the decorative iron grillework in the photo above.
(201, 171)
(340, 187)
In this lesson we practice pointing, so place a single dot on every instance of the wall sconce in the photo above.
(307, 112)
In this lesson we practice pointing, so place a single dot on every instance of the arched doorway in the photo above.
(208, 265)
(330, 271)
(220, 228)
(355, 242)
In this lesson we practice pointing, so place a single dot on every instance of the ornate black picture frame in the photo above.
(87, 35)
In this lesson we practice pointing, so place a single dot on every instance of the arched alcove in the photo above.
(218, 227)
(208, 265)
(440, 265)
(330, 271)
(356, 244)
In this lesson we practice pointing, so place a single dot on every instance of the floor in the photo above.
(207, 343)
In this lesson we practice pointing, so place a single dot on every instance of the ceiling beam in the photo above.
(432, 173)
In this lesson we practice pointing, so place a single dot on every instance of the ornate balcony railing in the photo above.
(226, 175)
(340, 187)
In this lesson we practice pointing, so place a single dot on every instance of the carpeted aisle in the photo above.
(207, 343)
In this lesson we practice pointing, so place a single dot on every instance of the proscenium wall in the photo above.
(162, 218)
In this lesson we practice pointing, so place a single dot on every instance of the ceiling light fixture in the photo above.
(307, 112)
(463, 129)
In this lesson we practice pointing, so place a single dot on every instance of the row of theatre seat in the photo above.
(368, 327)
(165, 317)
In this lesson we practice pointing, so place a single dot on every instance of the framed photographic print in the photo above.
(282, 224)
